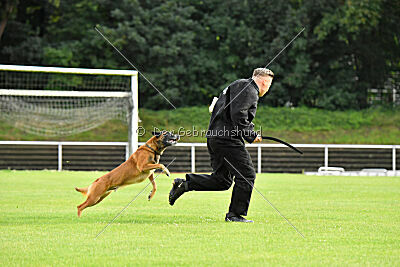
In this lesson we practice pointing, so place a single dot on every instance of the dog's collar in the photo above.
(152, 149)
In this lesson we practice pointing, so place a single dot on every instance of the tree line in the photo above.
(191, 50)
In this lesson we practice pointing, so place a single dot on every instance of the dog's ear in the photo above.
(156, 134)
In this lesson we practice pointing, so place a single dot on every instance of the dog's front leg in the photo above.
(149, 167)
(153, 192)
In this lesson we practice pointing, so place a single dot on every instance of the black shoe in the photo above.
(236, 218)
(179, 186)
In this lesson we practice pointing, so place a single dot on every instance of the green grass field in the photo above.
(346, 221)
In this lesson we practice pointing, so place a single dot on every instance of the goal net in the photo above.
(52, 101)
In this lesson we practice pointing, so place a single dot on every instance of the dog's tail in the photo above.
(82, 190)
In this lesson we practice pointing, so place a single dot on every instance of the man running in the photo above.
(230, 124)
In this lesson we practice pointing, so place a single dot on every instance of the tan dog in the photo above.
(136, 169)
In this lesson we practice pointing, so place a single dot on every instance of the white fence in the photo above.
(326, 148)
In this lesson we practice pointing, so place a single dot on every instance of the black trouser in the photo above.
(221, 152)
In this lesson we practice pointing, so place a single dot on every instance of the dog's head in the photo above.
(165, 139)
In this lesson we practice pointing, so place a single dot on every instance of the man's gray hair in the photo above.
(263, 72)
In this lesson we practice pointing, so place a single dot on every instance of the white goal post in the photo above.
(53, 100)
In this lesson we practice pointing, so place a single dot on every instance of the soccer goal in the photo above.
(53, 101)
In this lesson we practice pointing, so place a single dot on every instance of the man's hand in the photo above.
(258, 139)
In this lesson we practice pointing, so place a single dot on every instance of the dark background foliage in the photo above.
(192, 49)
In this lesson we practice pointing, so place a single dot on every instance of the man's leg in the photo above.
(245, 176)
(238, 161)
(221, 179)
(228, 158)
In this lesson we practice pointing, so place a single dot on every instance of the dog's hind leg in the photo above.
(102, 197)
(96, 193)
(90, 201)
(152, 193)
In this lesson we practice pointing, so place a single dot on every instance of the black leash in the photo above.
(282, 142)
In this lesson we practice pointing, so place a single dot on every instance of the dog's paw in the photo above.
(150, 196)
(167, 172)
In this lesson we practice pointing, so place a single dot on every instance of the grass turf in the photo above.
(346, 220)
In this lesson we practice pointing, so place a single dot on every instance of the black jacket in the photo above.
(234, 111)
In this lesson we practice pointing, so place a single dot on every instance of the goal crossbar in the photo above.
(68, 70)
(15, 92)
